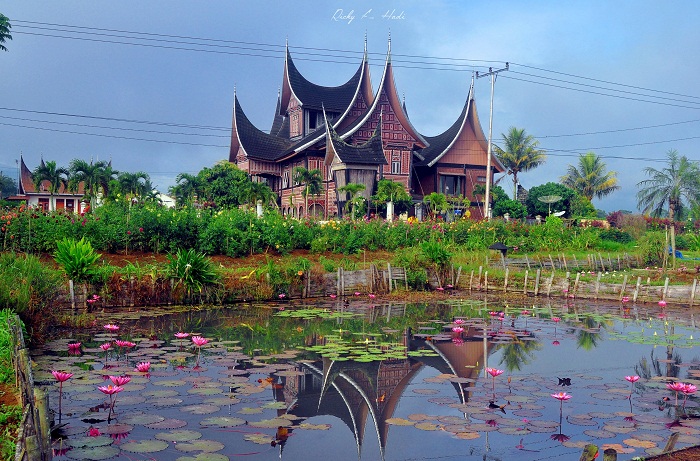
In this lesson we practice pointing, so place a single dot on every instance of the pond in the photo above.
(458, 379)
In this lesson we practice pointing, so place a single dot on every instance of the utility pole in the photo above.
(487, 204)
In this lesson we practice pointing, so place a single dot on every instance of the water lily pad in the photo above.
(222, 421)
(201, 409)
(426, 391)
(599, 434)
(93, 453)
(142, 419)
(89, 442)
(427, 426)
(167, 423)
(145, 446)
(514, 431)
(314, 427)
(637, 443)
(179, 435)
(208, 446)
(204, 457)
(467, 435)
(159, 393)
(399, 422)
(259, 438)
(270, 423)
(118, 428)
(250, 411)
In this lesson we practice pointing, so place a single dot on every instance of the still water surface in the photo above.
(371, 381)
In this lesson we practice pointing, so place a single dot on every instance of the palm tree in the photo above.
(390, 191)
(92, 175)
(312, 181)
(674, 185)
(352, 189)
(134, 184)
(188, 186)
(520, 153)
(259, 191)
(8, 186)
(5, 27)
(56, 177)
(437, 203)
(590, 178)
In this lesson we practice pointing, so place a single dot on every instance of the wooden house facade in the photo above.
(40, 197)
(351, 133)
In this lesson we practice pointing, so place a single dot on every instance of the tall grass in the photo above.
(28, 288)
(10, 415)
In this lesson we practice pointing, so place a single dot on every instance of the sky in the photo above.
(150, 84)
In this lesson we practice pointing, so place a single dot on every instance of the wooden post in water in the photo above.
(486, 281)
(388, 271)
(550, 283)
(575, 260)
(41, 400)
(471, 280)
(527, 261)
(671, 442)
(636, 290)
(610, 454)
(505, 282)
(568, 282)
(537, 282)
(619, 267)
(459, 272)
(597, 285)
(590, 452)
(72, 294)
(525, 283)
(578, 276)
(478, 280)
(624, 287)
(692, 292)
(602, 263)
(563, 256)
(665, 292)
(551, 261)
(337, 282)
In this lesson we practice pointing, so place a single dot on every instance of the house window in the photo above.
(481, 179)
(450, 185)
(396, 167)
(285, 180)
(44, 204)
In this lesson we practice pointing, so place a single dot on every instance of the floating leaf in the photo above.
(93, 453)
(208, 446)
(180, 435)
(167, 423)
(314, 427)
(145, 446)
(222, 421)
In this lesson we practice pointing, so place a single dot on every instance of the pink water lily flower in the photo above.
(459, 321)
(74, 345)
(199, 341)
(110, 390)
(181, 335)
(457, 329)
(122, 343)
(143, 367)
(106, 346)
(62, 376)
(561, 396)
(111, 327)
(632, 379)
(689, 389)
(494, 371)
(676, 387)
(556, 319)
(120, 380)
(662, 303)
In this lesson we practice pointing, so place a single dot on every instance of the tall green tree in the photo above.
(8, 186)
(134, 185)
(56, 177)
(91, 175)
(589, 178)
(188, 186)
(5, 27)
(223, 185)
(677, 185)
(520, 153)
(255, 191)
(312, 181)
(352, 189)
(395, 192)
(436, 203)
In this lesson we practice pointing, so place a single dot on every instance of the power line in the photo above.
(618, 130)
(114, 136)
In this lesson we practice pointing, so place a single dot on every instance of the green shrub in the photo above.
(191, 270)
(77, 258)
(615, 235)
(652, 247)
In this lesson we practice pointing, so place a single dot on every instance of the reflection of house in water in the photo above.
(367, 394)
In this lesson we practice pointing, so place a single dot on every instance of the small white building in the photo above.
(42, 198)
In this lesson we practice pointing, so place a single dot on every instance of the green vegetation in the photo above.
(10, 415)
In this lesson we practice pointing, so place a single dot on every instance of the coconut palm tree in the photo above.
(390, 191)
(676, 185)
(56, 177)
(519, 154)
(188, 186)
(312, 181)
(5, 27)
(436, 202)
(92, 175)
(134, 185)
(255, 191)
(590, 178)
(352, 189)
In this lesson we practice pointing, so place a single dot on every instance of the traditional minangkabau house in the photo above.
(41, 197)
(353, 134)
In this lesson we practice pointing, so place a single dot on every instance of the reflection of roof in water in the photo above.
(353, 391)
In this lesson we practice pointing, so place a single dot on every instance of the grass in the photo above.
(10, 415)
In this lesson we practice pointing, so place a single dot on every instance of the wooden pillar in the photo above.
(525, 283)
(636, 289)
(665, 292)
(388, 271)
(578, 276)
(537, 282)
(624, 287)
(505, 281)
(692, 292)
(486, 281)
(597, 285)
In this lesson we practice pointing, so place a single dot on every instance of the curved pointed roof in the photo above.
(255, 143)
(388, 86)
(313, 96)
(370, 152)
